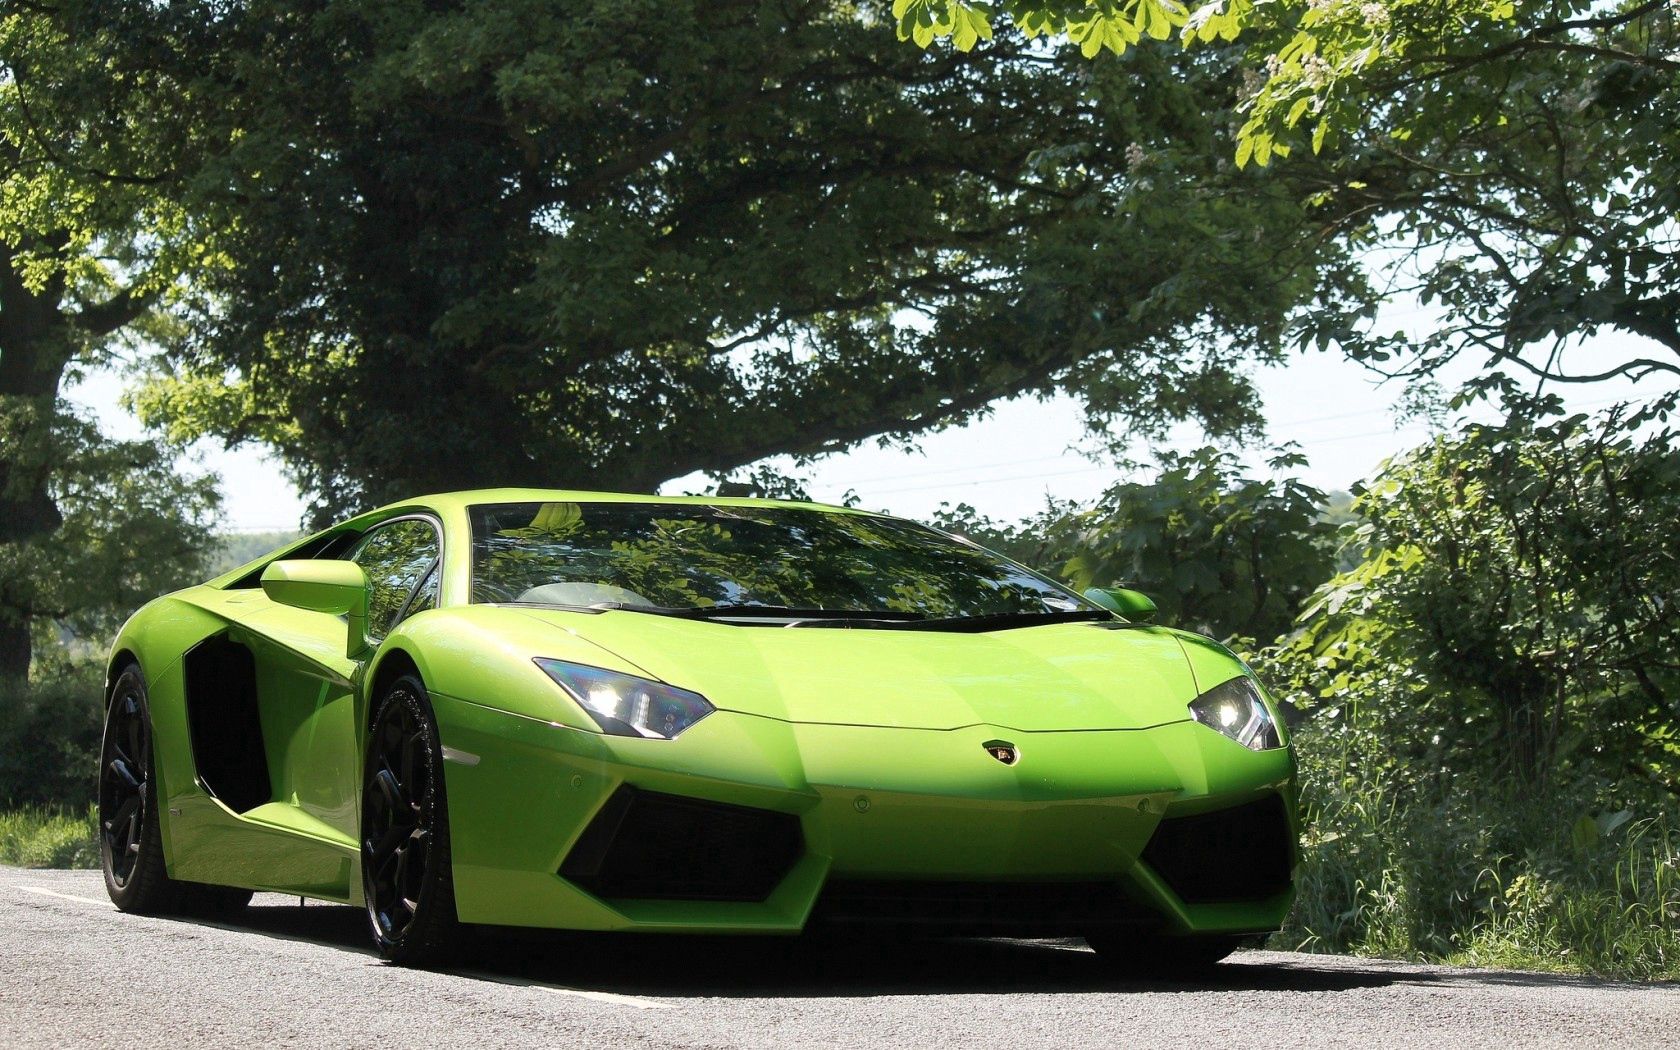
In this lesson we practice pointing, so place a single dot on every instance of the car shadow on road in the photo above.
(817, 966)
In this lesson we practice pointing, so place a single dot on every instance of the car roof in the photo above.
(464, 498)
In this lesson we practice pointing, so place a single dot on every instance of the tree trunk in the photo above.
(36, 344)
(15, 650)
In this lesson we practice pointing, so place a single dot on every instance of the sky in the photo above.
(1006, 465)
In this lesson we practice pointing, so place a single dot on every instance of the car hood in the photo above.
(1051, 677)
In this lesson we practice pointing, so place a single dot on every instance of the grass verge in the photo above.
(49, 837)
(1563, 880)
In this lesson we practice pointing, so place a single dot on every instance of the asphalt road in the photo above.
(75, 972)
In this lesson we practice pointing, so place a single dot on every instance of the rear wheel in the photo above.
(1152, 955)
(130, 837)
(405, 831)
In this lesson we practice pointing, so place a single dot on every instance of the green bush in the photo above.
(49, 838)
(1582, 877)
(49, 740)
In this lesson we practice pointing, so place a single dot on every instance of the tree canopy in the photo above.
(505, 242)
(87, 247)
(1513, 168)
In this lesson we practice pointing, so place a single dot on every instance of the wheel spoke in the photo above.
(390, 793)
(124, 777)
(380, 850)
(135, 736)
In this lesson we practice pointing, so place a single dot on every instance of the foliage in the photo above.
(1516, 164)
(1583, 876)
(87, 246)
(1513, 606)
(507, 241)
(1514, 168)
(50, 838)
(233, 549)
(132, 526)
(1222, 553)
(49, 740)
(1094, 25)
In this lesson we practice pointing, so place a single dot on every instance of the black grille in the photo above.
(652, 846)
(1239, 854)
(1023, 909)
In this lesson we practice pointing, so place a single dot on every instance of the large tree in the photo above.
(87, 246)
(1515, 167)
(612, 244)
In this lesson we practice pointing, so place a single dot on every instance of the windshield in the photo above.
(696, 557)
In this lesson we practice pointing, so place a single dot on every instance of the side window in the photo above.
(397, 558)
(426, 597)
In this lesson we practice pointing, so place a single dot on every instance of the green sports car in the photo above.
(591, 711)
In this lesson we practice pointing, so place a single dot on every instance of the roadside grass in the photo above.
(49, 837)
(1553, 879)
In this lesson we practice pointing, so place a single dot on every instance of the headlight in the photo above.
(1236, 710)
(625, 705)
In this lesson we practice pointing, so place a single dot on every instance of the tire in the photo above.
(1146, 955)
(406, 876)
(130, 835)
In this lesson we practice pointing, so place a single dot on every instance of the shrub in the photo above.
(49, 740)
(1583, 876)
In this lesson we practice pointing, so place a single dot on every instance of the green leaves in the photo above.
(1093, 25)
(1507, 610)
(925, 21)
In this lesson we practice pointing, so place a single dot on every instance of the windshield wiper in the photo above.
(783, 612)
(883, 619)
(1004, 621)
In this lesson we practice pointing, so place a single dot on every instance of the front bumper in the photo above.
(900, 826)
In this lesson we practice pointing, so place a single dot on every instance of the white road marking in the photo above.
(636, 1002)
(66, 896)
(609, 997)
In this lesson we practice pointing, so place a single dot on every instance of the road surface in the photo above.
(75, 972)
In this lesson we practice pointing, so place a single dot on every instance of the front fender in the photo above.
(484, 655)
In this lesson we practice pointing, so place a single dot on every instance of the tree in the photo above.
(1515, 167)
(131, 526)
(501, 242)
(1231, 556)
(86, 247)
(1513, 604)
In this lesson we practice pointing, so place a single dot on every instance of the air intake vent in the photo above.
(651, 846)
(1239, 854)
(1023, 909)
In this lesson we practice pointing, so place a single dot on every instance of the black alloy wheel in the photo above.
(125, 788)
(405, 835)
(130, 834)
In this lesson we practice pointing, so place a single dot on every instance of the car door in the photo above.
(306, 682)
(401, 561)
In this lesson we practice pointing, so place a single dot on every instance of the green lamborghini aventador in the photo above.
(593, 711)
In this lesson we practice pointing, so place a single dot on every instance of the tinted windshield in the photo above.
(676, 556)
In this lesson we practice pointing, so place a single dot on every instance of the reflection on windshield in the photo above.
(677, 556)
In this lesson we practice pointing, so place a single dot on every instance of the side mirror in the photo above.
(339, 588)
(1133, 605)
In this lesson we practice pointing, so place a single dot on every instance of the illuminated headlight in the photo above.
(625, 705)
(1236, 710)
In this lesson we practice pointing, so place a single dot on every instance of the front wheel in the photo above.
(405, 831)
(1156, 956)
(130, 839)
